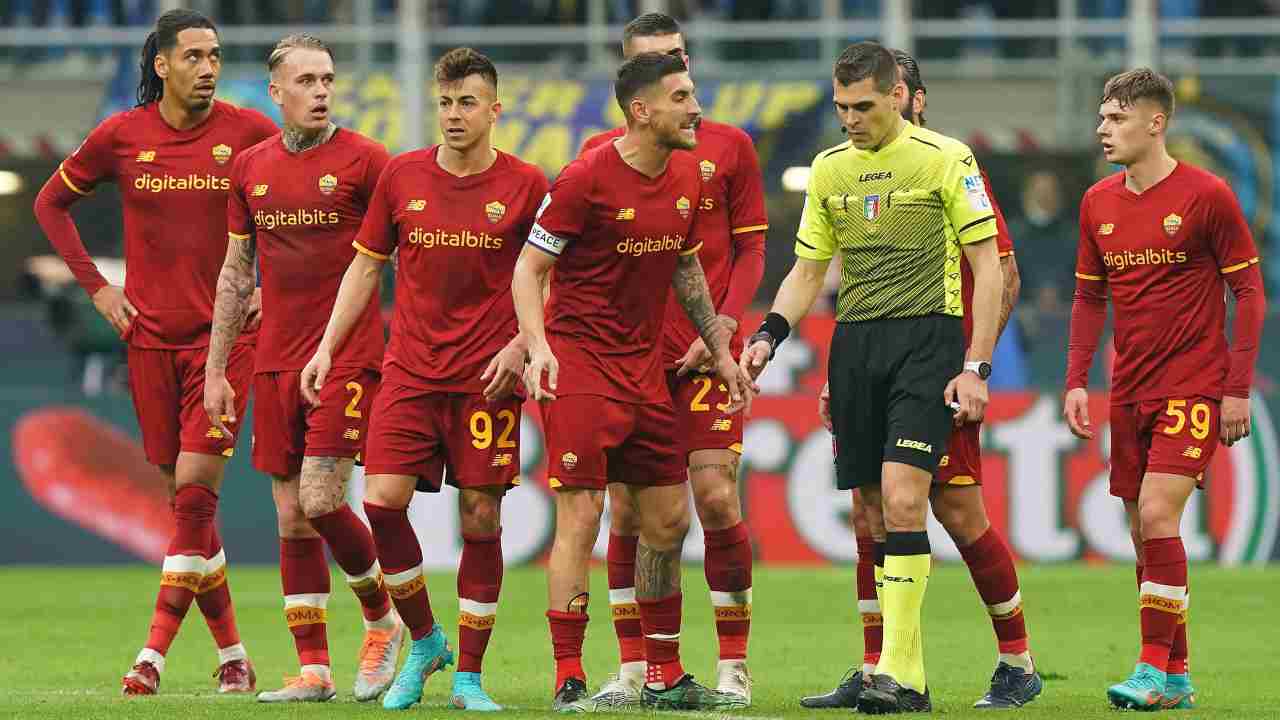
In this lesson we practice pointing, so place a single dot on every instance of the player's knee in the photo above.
(1157, 518)
(578, 517)
(904, 511)
(291, 521)
(387, 493)
(666, 530)
(965, 522)
(315, 504)
(623, 518)
(479, 513)
(718, 505)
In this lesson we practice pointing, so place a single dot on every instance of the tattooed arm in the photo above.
(690, 284)
(1009, 296)
(691, 290)
(230, 308)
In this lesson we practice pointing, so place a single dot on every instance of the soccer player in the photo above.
(619, 228)
(1165, 239)
(956, 500)
(171, 157)
(300, 197)
(457, 213)
(902, 204)
(731, 230)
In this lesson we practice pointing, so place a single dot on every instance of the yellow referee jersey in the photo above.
(898, 216)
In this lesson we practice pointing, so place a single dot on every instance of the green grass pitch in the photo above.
(72, 632)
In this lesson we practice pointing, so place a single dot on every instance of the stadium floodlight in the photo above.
(796, 178)
(10, 182)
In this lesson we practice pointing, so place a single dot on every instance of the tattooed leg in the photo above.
(323, 486)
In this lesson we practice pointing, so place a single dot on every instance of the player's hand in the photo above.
(755, 358)
(219, 401)
(504, 371)
(1235, 419)
(313, 376)
(966, 394)
(824, 406)
(115, 307)
(696, 360)
(541, 360)
(738, 380)
(253, 319)
(1075, 408)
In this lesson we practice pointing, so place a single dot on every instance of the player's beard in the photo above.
(676, 140)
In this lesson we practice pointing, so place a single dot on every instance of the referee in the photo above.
(901, 203)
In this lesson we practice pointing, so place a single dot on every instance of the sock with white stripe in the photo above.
(1162, 598)
(622, 605)
(401, 559)
(727, 566)
(352, 548)
(304, 576)
(214, 595)
(194, 506)
(868, 604)
(479, 584)
(996, 579)
(660, 620)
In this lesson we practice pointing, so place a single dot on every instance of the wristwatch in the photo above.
(981, 367)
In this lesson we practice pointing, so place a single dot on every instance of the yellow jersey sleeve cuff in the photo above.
(977, 230)
(749, 228)
(63, 174)
(362, 249)
(693, 250)
(237, 236)
(809, 252)
(1083, 276)
(1232, 268)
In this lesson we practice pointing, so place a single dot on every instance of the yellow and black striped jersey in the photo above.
(898, 215)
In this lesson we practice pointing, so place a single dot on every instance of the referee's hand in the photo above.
(967, 395)
(755, 358)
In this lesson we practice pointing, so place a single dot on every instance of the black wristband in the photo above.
(773, 330)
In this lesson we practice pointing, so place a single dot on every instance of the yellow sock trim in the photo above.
(905, 579)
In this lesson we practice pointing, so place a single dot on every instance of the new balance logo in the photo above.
(259, 190)
(214, 433)
(1106, 228)
(915, 445)
(626, 214)
(146, 156)
(503, 460)
(1192, 452)
(416, 205)
(351, 434)
(722, 425)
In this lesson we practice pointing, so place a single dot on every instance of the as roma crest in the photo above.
(682, 206)
(328, 184)
(221, 154)
(1172, 222)
(707, 169)
(494, 211)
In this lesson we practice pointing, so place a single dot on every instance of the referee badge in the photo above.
(871, 207)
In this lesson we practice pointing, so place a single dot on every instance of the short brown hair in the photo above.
(650, 25)
(865, 60)
(458, 63)
(294, 42)
(640, 72)
(1129, 87)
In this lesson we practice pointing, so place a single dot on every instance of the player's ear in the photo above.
(639, 110)
(161, 65)
(277, 95)
(495, 111)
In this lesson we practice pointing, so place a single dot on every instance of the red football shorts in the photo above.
(701, 422)
(168, 395)
(286, 427)
(414, 430)
(593, 441)
(962, 465)
(1176, 436)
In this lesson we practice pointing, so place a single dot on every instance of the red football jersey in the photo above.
(617, 234)
(732, 206)
(304, 210)
(458, 238)
(1163, 254)
(173, 185)
(1004, 246)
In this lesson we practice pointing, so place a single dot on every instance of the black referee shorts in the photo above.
(887, 378)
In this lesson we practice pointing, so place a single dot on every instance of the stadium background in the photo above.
(1017, 80)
